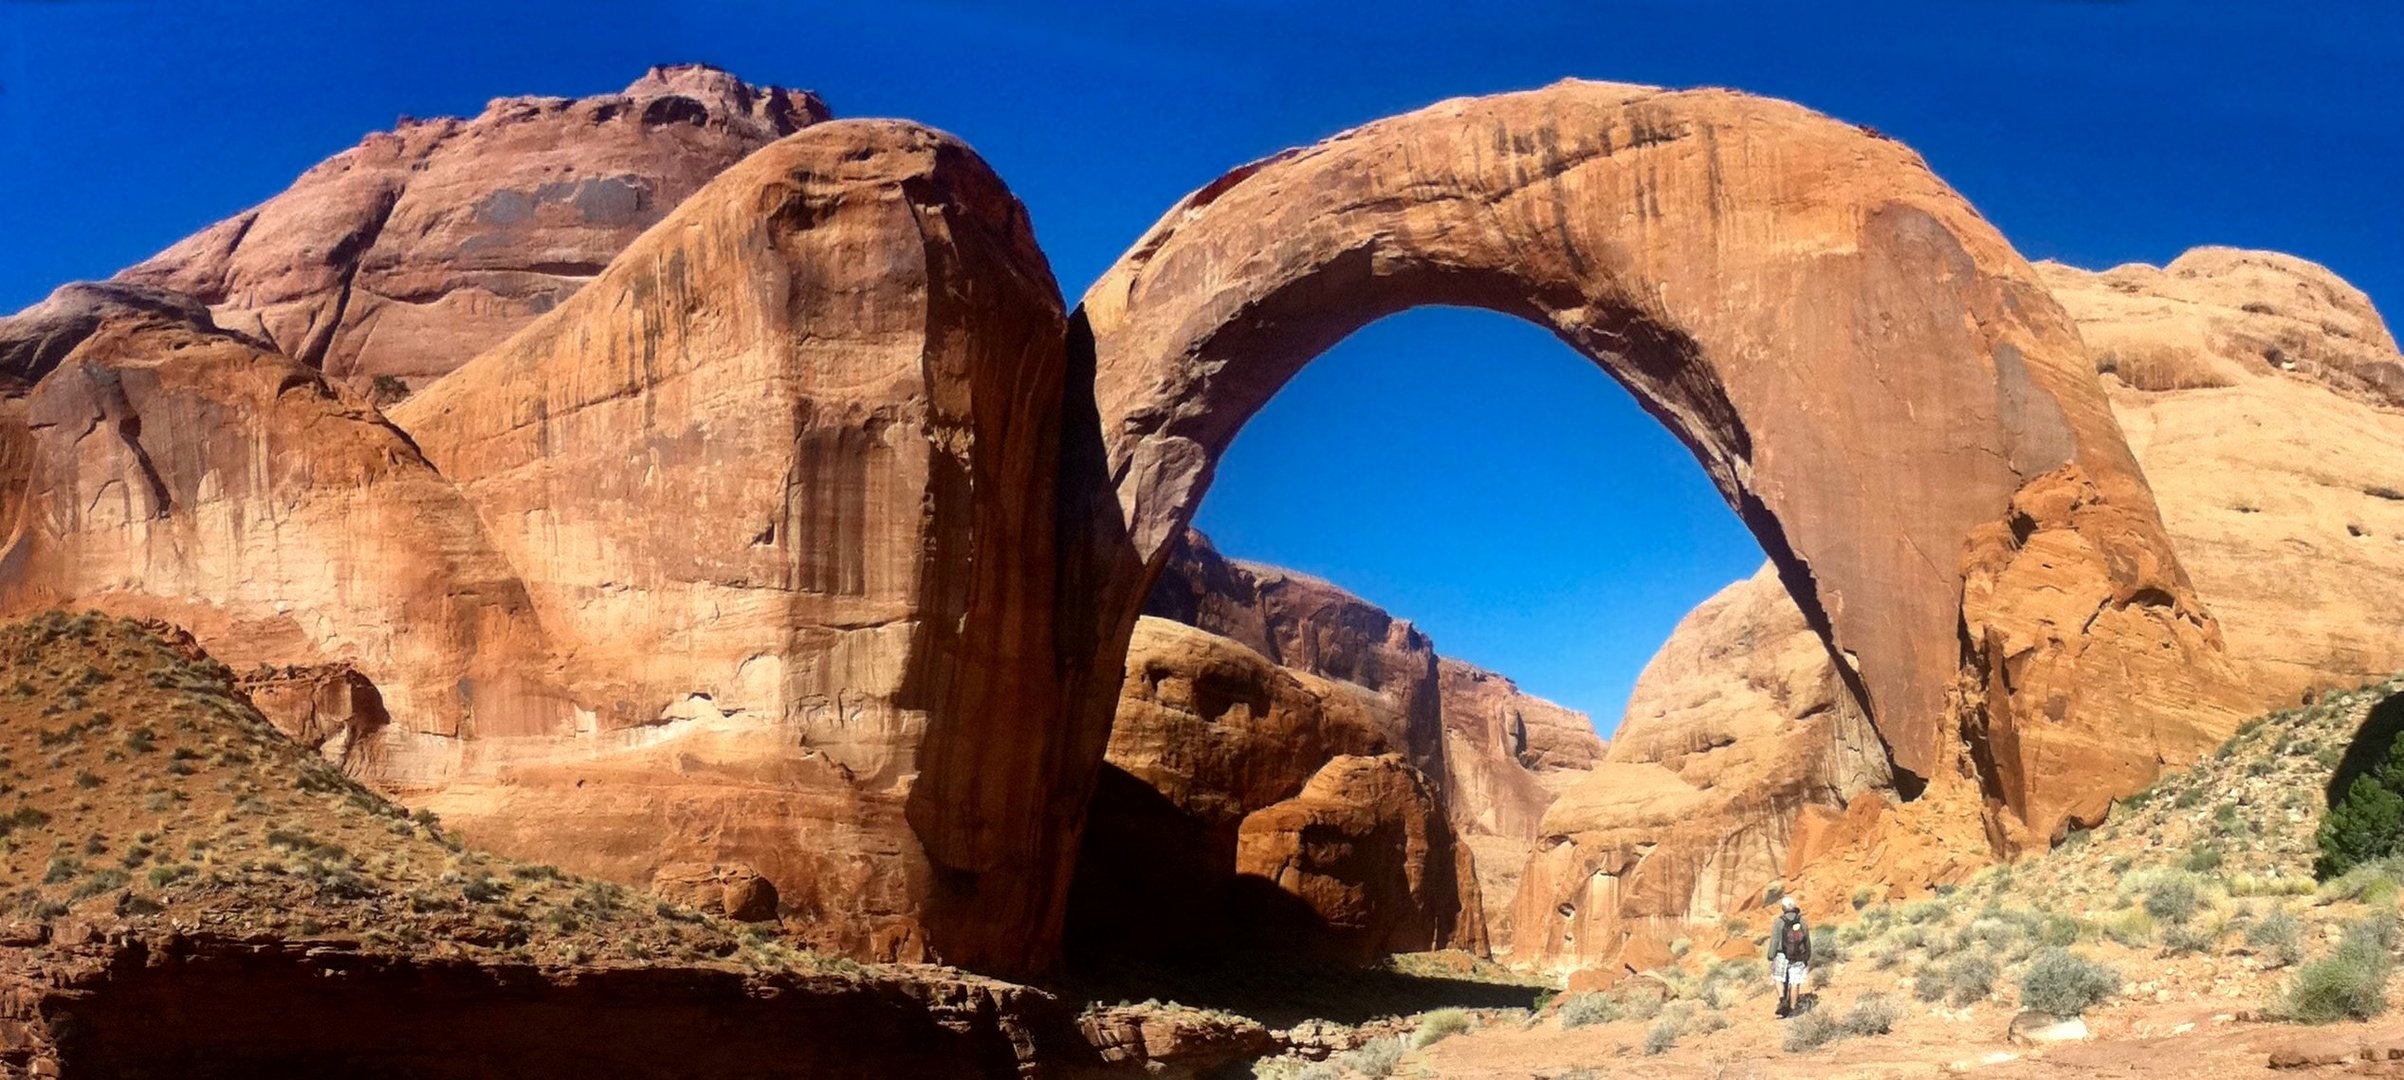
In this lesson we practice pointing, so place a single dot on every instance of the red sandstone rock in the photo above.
(779, 481)
(1507, 756)
(329, 708)
(425, 245)
(159, 468)
(1367, 853)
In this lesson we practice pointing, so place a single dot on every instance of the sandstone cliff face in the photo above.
(2265, 398)
(777, 481)
(161, 468)
(1736, 728)
(425, 245)
(1507, 756)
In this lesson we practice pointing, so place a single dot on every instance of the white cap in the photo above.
(1787, 902)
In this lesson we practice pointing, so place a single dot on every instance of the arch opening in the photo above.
(1227, 821)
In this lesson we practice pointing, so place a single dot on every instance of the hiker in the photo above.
(1790, 955)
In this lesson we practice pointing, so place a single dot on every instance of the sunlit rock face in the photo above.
(410, 253)
(1734, 729)
(2265, 398)
(779, 481)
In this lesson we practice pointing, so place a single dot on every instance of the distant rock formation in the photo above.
(405, 256)
(1734, 729)
(1242, 690)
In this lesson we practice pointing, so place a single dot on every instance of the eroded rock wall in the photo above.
(779, 479)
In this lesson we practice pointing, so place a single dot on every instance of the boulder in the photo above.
(400, 259)
(1208, 731)
(329, 708)
(1360, 864)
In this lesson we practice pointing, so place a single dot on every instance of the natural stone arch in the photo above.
(1876, 381)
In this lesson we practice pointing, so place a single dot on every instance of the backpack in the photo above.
(1795, 938)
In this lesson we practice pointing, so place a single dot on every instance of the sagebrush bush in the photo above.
(1971, 979)
(1661, 1036)
(1375, 1058)
(2174, 898)
(1871, 1014)
(2180, 939)
(1579, 1010)
(1439, 1025)
(1810, 1031)
(2350, 983)
(2062, 983)
(2277, 935)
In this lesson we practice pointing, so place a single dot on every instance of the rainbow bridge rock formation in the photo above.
(804, 543)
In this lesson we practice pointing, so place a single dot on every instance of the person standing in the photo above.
(1790, 955)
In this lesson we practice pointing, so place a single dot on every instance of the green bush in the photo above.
(1660, 1037)
(1972, 979)
(2057, 930)
(1376, 1058)
(2350, 983)
(2202, 860)
(2058, 982)
(2365, 819)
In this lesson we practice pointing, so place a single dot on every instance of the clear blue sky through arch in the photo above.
(2095, 132)
(1468, 471)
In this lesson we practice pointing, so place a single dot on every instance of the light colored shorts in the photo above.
(1791, 974)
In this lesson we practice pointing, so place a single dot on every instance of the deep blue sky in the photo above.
(1463, 470)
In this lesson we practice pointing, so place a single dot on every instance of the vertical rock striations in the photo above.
(780, 481)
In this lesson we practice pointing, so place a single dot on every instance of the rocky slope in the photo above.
(405, 256)
(192, 894)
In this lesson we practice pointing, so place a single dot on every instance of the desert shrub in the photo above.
(1871, 1014)
(2133, 928)
(2278, 935)
(2174, 898)
(1439, 1025)
(1970, 979)
(1661, 1036)
(2203, 860)
(2182, 938)
(1825, 948)
(1579, 1010)
(2189, 799)
(1997, 933)
(2371, 882)
(1924, 912)
(2059, 982)
(2057, 930)
(1810, 1031)
(1862, 897)
(1376, 1058)
(2350, 983)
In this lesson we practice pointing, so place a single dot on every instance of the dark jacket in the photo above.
(1801, 953)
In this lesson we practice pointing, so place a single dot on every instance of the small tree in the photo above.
(2365, 821)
